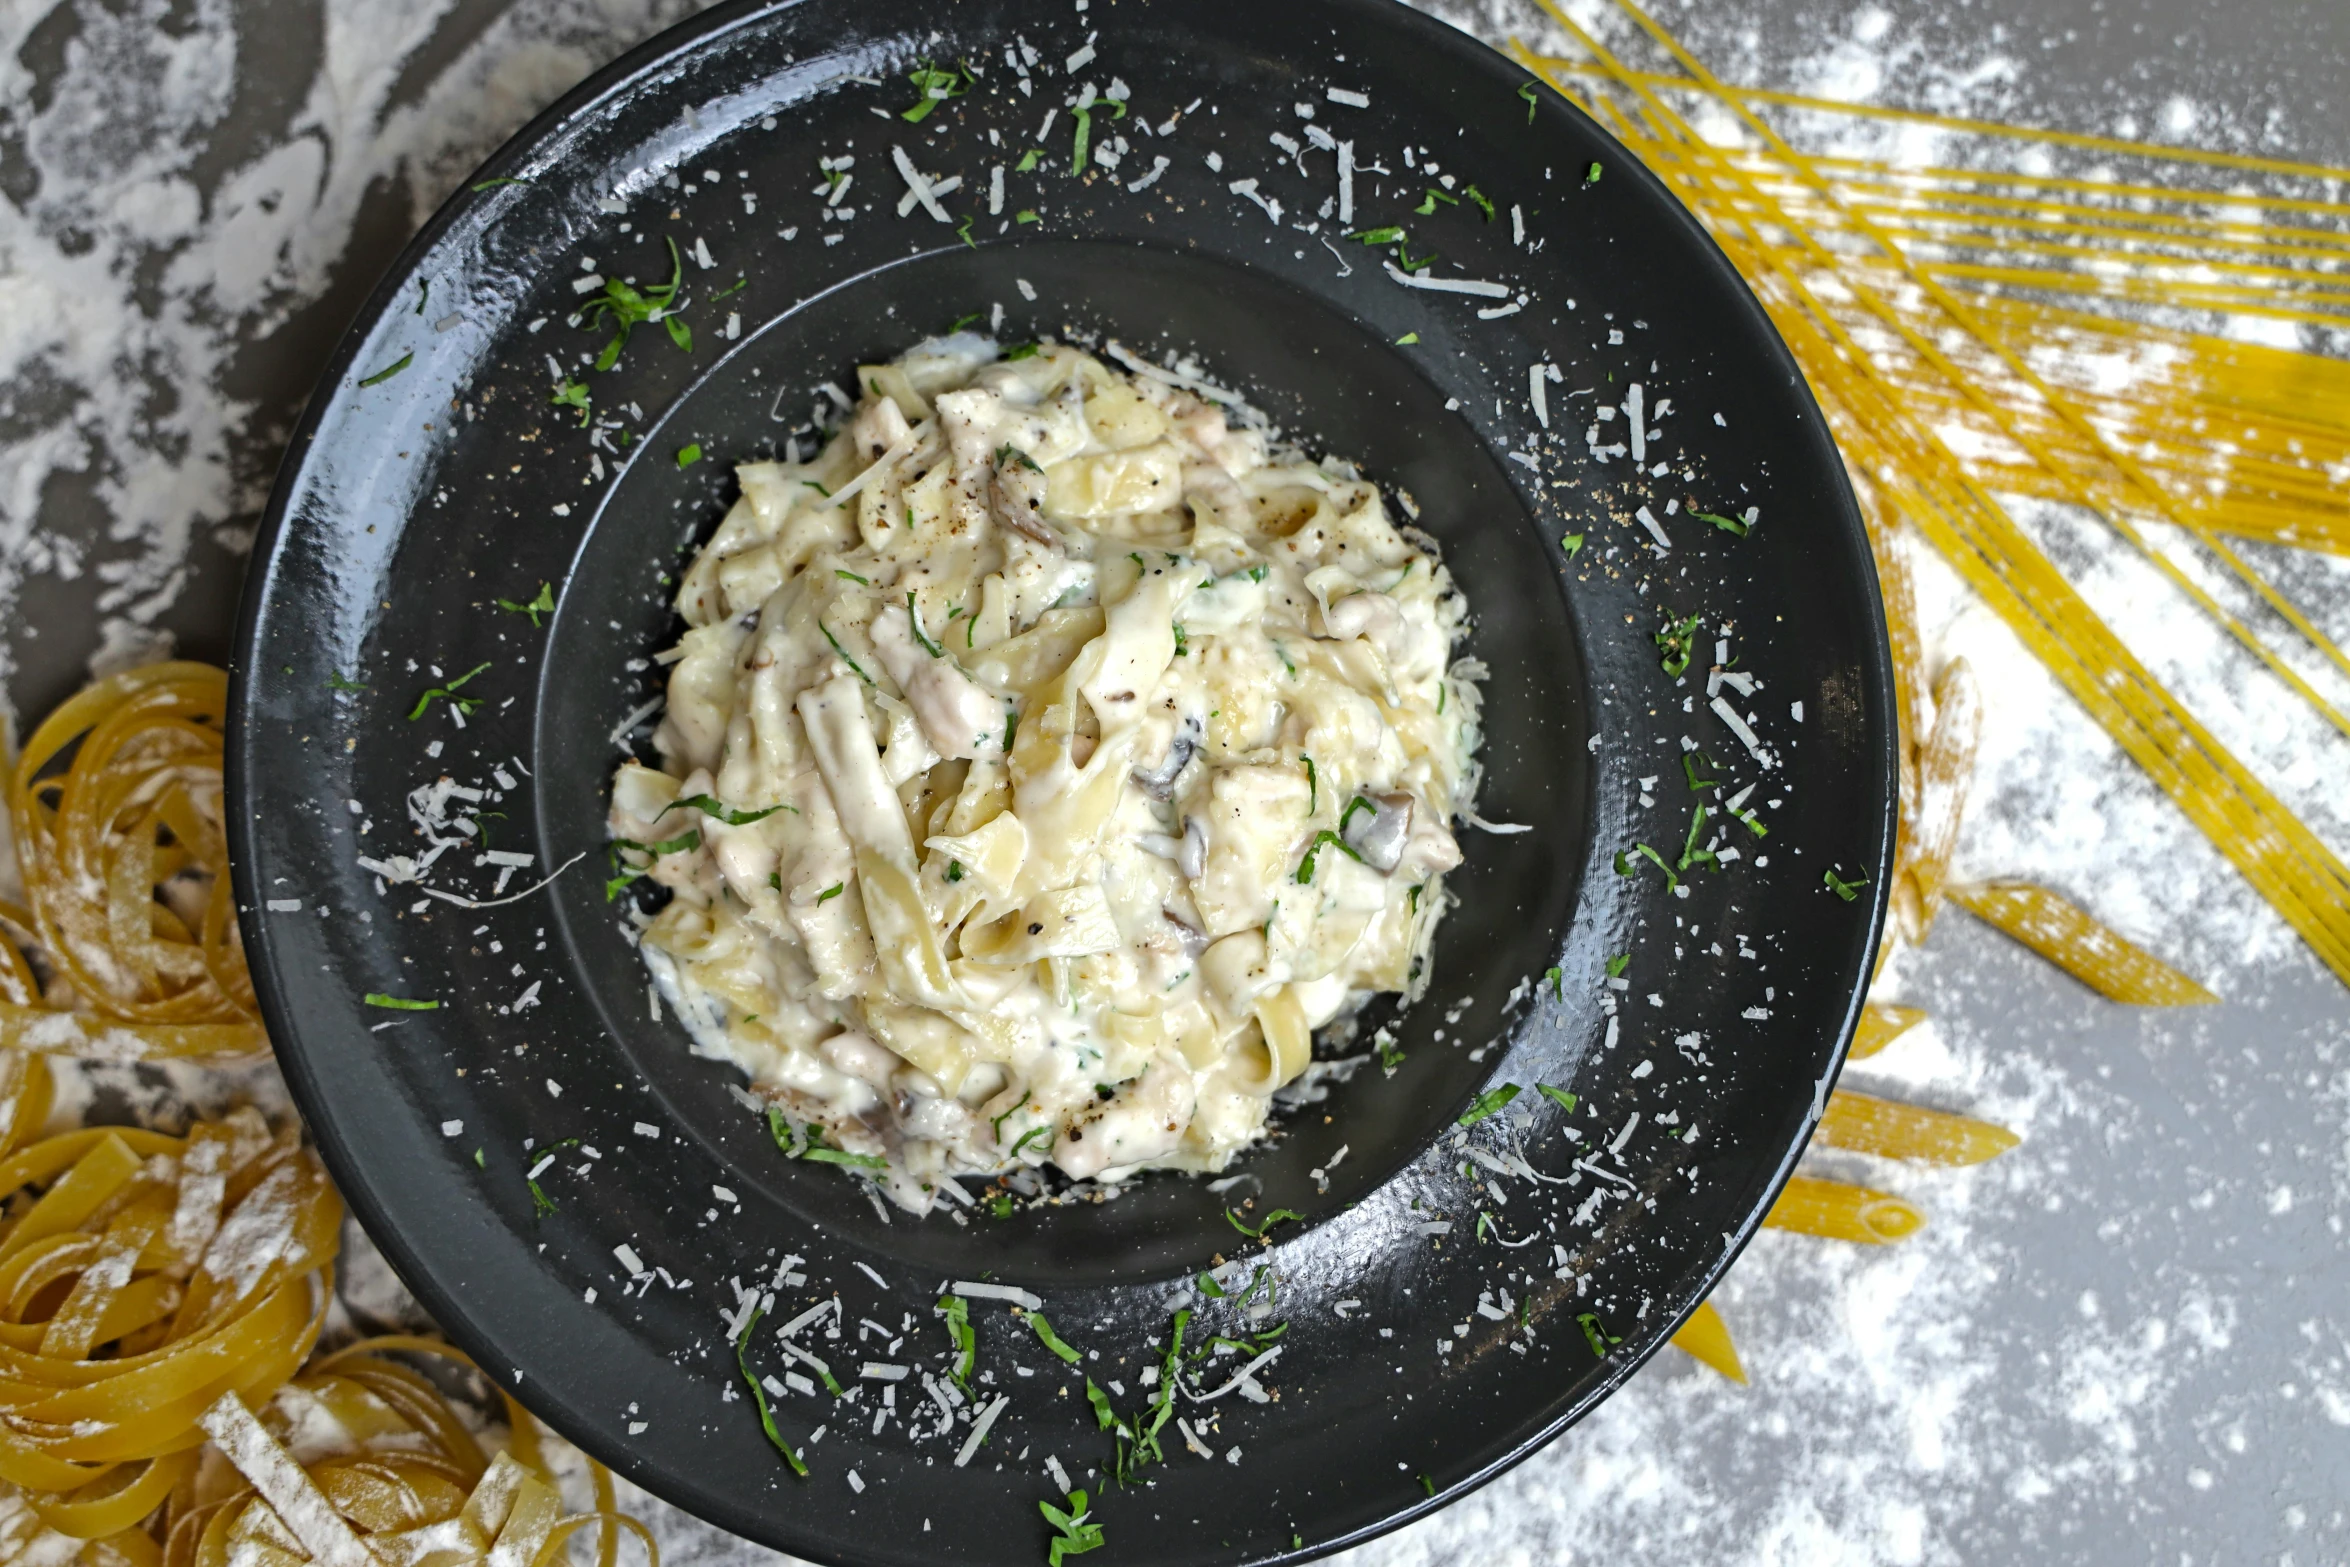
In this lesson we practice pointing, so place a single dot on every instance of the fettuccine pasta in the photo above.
(125, 871)
(1044, 764)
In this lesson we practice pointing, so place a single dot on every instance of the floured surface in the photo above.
(2122, 1343)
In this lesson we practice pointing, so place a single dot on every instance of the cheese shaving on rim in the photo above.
(1448, 285)
(979, 1429)
(1011, 1292)
(1737, 726)
(916, 184)
(1656, 529)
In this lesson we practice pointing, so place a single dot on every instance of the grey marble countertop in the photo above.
(2126, 1342)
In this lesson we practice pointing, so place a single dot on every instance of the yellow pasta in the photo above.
(1898, 1131)
(392, 1473)
(2067, 937)
(1946, 766)
(1707, 1337)
(141, 1278)
(1810, 1206)
(1881, 1023)
(1872, 322)
(125, 867)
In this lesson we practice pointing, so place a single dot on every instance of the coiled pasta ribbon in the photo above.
(142, 1277)
(116, 809)
(382, 1473)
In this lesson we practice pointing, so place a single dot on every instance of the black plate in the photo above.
(408, 508)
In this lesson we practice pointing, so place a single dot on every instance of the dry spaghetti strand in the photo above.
(116, 804)
(2107, 963)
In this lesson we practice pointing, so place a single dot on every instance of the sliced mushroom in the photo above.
(1192, 858)
(1194, 939)
(1016, 496)
(1380, 836)
(1160, 785)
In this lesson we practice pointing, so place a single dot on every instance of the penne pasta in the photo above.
(1832, 1209)
(1705, 1336)
(2067, 937)
(1881, 1023)
(1898, 1131)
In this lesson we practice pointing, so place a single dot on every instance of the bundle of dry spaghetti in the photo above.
(115, 809)
(1992, 326)
(1963, 327)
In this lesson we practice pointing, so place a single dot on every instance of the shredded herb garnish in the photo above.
(844, 653)
(1021, 351)
(544, 604)
(997, 1122)
(1689, 765)
(1025, 215)
(1428, 202)
(1271, 1219)
(963, 229)
(710, 806)
(742, 1364)
(1558, 983)
(1028, 161)
(1617, 964)
(689, 454)
(1591, 175)
(1389, 1056)
(964, 321)
(1572, 543)
(1557, 1096)
(1313, 788)
(463, 703)
(1008, 453)
(1407, 340)
(1678, 640)
(1729, 525)
(1847, 890)
(1358, 803)
(1624, 866)
(1478, 196)
(573, 394)
(622, 306)
(1427, 1485)
(376, 998)
(936, 85)
(1595, 1333)
(1051, 1340)
(818, 488)
(914, 614)
(832, 891)
(1526, 91)
(1691, 854)
(1076, 1536)
(390, 370)
(1011, 718)
(959, 1329)
(1305, 867)
(336, 682)
(494, 184)
(683, 843)
(1487, 1103)
(733, 288)
(1209, 1287)
(1390, 235)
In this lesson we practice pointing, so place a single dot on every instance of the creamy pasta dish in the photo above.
(1043, 764)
